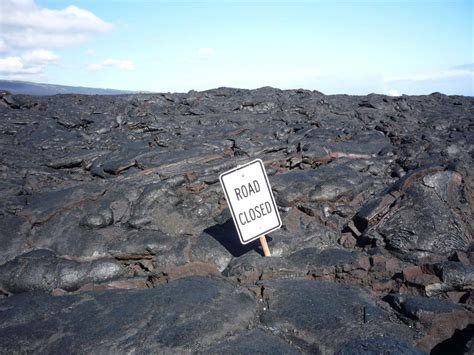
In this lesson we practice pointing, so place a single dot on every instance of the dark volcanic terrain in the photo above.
(115, 235)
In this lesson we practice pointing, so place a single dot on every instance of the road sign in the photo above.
(250, 200)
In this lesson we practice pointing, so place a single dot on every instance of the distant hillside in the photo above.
(40, 89)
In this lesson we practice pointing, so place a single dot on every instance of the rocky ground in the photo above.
(115, 235)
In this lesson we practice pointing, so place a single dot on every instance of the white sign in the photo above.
(251, 200)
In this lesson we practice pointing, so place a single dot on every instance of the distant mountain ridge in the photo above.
(41, 89)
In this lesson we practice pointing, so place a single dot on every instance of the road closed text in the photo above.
(250, 200)
(255, 213)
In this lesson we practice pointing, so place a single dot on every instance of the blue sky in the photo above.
(352, 47)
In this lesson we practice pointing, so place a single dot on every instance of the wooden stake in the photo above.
(263, 241)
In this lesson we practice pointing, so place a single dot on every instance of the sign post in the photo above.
(251, 202)
(266, 249)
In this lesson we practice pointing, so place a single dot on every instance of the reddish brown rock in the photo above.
(439, 319)
(414, 275)
(377, 263)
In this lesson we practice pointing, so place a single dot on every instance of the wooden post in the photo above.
(263, 241)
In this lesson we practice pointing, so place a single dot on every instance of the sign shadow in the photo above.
(227, 236)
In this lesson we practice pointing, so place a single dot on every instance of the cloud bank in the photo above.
(27, 27)
(32, 62)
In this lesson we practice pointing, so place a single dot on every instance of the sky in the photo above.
(336, 47)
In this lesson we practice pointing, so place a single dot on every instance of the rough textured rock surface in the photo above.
(310, 313)
(115, 235)
(185, 315)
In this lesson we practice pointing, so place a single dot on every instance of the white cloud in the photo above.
(89, 52)
(33, 62)
(126, 65)
(10, 64)
(28, 38)
(26, 14)
(40, 56)
(393, 92)
(205, 52)
(26, 25)
(16, 65)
